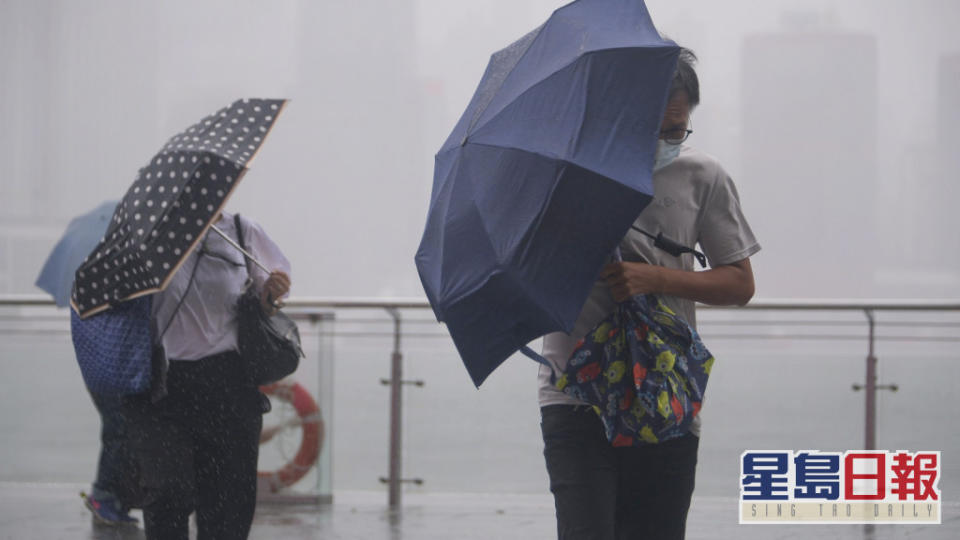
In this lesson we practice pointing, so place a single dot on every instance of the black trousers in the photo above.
(117, 474)
(606, 493)
(197, 449)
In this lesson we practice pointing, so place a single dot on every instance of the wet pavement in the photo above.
(54, 511)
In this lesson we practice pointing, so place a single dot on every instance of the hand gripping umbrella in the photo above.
(171, 205)
(542, 176)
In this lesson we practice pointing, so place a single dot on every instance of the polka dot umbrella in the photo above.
(171, 205)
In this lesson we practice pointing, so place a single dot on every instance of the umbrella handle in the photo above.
(236, 245)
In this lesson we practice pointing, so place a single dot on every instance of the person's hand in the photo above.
(628, 279)
(277, 285)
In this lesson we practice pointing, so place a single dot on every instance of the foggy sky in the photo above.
(92, 89)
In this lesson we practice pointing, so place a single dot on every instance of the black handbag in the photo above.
(269, 345)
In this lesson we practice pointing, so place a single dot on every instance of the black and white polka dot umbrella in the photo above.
(171, 204)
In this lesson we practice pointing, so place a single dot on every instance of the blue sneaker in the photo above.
(107, 511)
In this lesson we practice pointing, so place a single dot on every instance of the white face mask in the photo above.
(665, 154)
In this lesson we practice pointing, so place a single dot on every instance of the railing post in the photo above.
(396, 418)
(325, 388)
(394, 477)
(870, 401)
(870, 422)
(870, 387)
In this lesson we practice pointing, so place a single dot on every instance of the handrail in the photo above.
(847, 304)
(786, 304)
(309, 307)
(24, 300)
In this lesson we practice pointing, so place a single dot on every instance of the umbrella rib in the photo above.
(476, 125)
(480, 113)
(555, 158)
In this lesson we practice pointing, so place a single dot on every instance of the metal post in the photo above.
(870, 431)
(394, 477)
(870, 400)
(396, 419)
(324, 466)
(870, 388)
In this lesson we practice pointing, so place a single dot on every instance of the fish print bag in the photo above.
(644, 370)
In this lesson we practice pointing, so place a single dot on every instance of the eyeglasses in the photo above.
(675, 136)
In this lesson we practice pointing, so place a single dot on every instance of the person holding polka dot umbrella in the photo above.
(194, 430)
(171, 204)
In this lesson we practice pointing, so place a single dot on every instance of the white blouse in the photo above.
(206, 321)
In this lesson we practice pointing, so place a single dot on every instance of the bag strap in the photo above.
(535, 356)
(671, 247)
(540, 359)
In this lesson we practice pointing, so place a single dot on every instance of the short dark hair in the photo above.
(685, 77)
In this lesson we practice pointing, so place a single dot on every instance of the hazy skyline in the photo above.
(93, 89)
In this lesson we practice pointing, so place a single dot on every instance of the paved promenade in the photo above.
(31, 511)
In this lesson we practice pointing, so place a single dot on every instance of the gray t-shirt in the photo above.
(695, 202)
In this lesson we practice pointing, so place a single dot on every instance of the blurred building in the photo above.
(948, 138)
(809, 106)
(92, 90)
(360, 91)
(69, 73)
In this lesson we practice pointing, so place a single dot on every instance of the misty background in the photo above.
(837, 120)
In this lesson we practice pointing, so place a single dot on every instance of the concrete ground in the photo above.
(54, 511)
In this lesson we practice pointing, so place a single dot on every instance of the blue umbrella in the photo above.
(542, 176)
(82, 235)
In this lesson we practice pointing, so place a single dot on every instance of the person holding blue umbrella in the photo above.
(115, 488)
(81, 235)
(603, 491)
(574, 131)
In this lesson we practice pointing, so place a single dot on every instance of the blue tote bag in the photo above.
(114, 348)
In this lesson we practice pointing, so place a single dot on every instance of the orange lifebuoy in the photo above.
(311, 423)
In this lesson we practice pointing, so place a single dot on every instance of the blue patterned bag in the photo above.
(114, 348)
(644, 370)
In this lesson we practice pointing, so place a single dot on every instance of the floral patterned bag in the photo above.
(644, 370)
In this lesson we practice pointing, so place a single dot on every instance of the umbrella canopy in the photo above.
(171, 204)
(542, 176)
(82, 234)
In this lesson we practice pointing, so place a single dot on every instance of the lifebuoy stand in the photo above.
(311, 423)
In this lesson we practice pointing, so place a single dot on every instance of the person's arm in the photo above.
(728, 284)
(728, 243)
(274, 286)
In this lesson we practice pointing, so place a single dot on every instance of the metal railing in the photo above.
(306, 308)
(869, 309)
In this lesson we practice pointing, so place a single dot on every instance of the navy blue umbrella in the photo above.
(83, 233)
(542, 176)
